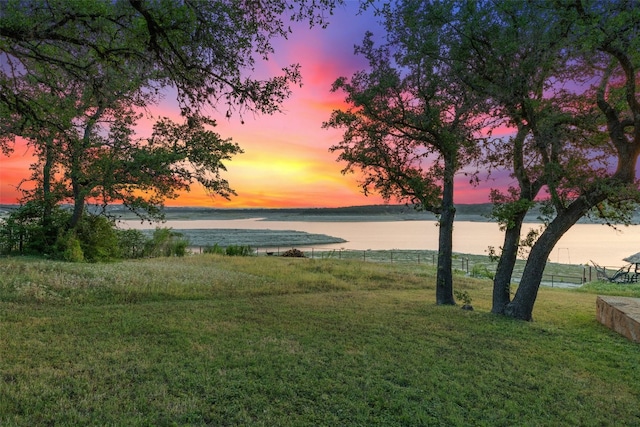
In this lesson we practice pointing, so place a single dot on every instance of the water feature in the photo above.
(584, 242)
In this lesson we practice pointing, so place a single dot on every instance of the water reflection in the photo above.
(584, 242)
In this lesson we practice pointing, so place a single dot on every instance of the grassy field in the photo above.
(271, 341)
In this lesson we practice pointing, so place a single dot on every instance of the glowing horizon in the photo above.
(286, 161)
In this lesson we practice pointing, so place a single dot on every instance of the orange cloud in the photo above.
(13, 170)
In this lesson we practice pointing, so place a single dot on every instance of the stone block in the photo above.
(620, 314)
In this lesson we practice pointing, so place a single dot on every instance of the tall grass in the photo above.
(264, 341)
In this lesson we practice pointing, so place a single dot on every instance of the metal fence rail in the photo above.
(556, 275)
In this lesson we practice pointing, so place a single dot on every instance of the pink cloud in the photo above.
(286, 160)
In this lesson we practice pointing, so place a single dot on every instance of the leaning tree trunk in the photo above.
(509, 255)
(444, 277)
(522, 305)
(506, 264)
(80, 183)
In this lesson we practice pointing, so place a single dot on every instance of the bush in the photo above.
(465, 298)
(231, 250)
(68, 248)
(98, 238)
(215, 249)
(293, 253)
(24, 231)
(166, 242)
(239, 250)
(482, 272)
(131, 243)
(95, 238)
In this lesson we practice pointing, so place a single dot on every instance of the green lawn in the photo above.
(269, 341)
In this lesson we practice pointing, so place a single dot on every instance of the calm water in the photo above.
(584, 242)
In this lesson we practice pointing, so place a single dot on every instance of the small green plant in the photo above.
(166, 242)
(215, 249)
(239, 250)
(98, 238)
(482, 272)
(465, 298)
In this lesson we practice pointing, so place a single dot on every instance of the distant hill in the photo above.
(464, 212)
(477, 212)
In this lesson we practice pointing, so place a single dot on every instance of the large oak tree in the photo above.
(605, 41)
(77, 76)
(409, 128)
(535, 64)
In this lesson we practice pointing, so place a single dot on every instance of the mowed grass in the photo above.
(269, 341)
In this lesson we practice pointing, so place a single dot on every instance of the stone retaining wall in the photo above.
(620, 314)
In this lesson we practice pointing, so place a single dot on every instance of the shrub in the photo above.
(239, 250)
(294, 253)
(215, 249)
(465, 298)
(166, 242)
(98, 238)
(231, 250)
(482, 272)
(95, 238)
(68, 248)
(131, 243)
(25, 232)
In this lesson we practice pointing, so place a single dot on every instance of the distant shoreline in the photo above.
(464, 212)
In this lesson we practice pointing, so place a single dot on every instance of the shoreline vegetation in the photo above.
(267, 239)
(263, 341)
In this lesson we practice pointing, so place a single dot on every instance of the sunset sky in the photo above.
(286, 161)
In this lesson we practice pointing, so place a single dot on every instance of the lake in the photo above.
(583, 243)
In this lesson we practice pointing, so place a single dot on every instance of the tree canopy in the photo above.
(561, 75)
(77, 76)
(409, 128)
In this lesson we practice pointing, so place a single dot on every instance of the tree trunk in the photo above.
(444, 277)
(78, 207)
(77, 188)
(48, 201)
(504, 271)
(509, 255)
(522, 305)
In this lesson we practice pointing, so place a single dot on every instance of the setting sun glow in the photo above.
(286, 160)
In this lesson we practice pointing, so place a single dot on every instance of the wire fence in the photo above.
(480, 266)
